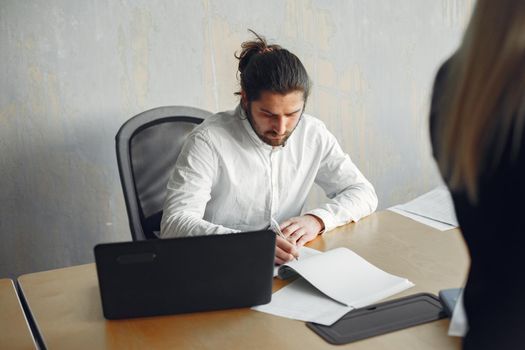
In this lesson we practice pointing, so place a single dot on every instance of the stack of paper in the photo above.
(333, 283)
(434, 208)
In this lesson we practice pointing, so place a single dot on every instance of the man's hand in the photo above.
(284, 250)
(302, 229)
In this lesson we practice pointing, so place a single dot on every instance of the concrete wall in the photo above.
(73, 71)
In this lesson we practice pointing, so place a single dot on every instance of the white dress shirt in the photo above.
(227, 180)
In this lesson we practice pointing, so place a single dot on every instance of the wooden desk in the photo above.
(66, 303)
(14, 329)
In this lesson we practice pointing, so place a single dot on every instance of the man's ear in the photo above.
(244, 100)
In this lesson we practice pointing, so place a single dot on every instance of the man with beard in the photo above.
(241, 169)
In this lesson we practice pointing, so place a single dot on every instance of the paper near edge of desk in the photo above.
(332, 283)
(434, 208)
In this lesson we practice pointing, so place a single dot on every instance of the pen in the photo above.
(275, 227)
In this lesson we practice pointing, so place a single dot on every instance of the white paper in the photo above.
(301, 301)
(304, 253)
(429, 222)
(459, 323)
(343, 281)
(435, 205)
(346, 277)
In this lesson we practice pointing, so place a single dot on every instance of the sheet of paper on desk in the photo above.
(301, 301)
(429, 222)
(334, 282)
(434, 208)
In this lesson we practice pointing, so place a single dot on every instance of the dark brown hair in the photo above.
(264, 67)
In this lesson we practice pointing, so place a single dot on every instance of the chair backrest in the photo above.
(147, 148)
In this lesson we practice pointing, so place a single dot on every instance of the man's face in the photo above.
(274, 116)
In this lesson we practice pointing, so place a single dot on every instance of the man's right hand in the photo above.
(284, 250)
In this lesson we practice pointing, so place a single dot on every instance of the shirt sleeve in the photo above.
(351, 196)
(189, 190)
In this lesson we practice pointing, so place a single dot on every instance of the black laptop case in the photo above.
(178, 275)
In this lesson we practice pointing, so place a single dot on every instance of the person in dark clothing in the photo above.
(477, 129)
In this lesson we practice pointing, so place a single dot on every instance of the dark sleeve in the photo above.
(436, 104)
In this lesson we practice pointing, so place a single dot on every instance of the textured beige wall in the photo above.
(73, 71)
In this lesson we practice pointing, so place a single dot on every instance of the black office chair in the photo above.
(147, 148)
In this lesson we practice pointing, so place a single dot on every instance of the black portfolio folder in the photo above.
(381, 318)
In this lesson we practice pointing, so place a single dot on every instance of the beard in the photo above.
(269, 137)
(272, 139)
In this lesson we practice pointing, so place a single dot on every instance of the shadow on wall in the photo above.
(59, 199)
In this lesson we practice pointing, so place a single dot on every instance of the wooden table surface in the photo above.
(65, 303)
(14, 329)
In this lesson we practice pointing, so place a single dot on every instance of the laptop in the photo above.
(179, 275)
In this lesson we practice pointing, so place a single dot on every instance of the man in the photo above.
(240, 169)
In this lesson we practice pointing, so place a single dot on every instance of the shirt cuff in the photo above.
(325, 217)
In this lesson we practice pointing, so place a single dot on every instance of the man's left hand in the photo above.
(302, 229)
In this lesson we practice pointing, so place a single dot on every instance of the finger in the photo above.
(286, 254)
(289, 230)
(304, 239)
(279, 261)
(286, 250)
(283, 243)
(294, 237)
(286, 223)
(290, 222)
(287, 258)
(295, 252)
(287, 247)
